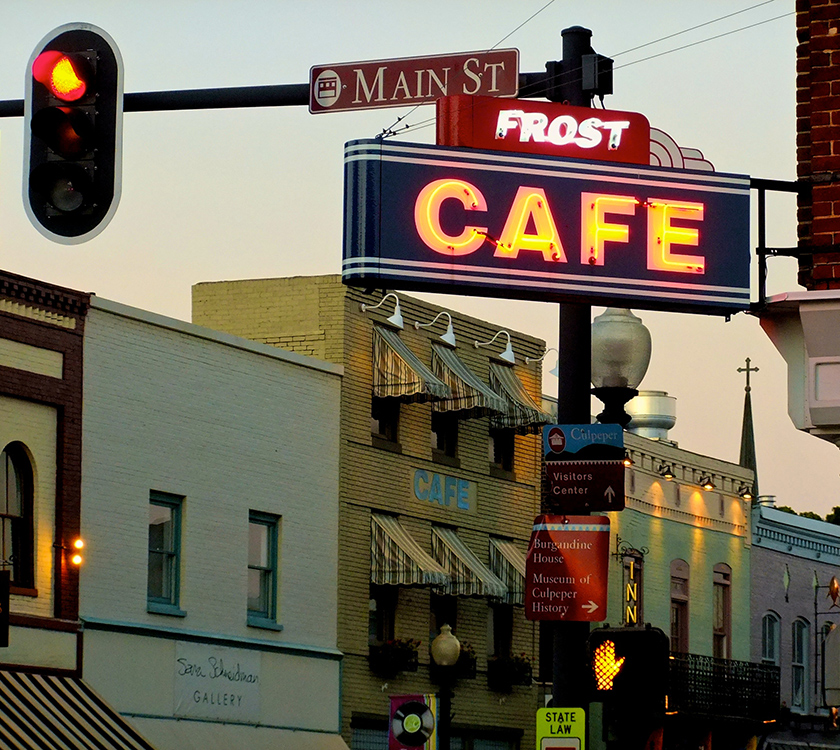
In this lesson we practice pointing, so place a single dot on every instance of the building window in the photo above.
(443, 610)
(263, 546)
(445, 437)
(799, 667)
(632, 569)
(164, 553)
(770, 630)
(16, 531)
(385, 419)
(499, 629)
(679, 606)
(722, 612)
(382, 613)
(501, 451)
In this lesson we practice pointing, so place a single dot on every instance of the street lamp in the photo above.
(446, 649)
(620, 358)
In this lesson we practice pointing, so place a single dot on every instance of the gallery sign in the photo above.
(566, 569)
(465, 221)
(536, 127)
(213, 682)
(399, 82)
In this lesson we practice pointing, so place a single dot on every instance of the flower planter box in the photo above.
(388, 660)
(505, 672)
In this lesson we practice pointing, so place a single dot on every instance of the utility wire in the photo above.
(390, 130)
(430, 121)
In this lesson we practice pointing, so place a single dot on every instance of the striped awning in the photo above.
(470, 394)
(470, 577)
(398, 372)
(46, 712)
(508, 564)
(397, 559)
(523, 414)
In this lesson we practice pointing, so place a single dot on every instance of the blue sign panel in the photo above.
(501, 224)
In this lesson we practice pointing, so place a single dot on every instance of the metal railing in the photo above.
(723, 687)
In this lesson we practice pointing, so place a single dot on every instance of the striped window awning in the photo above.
(523, 414)
(398, 372)
(48, 712)
(470, 393)
(508, 564)
(397, 559)
(470, 577)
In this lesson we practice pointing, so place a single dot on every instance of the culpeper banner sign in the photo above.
(530, 226)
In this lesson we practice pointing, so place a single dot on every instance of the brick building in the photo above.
(439, 486)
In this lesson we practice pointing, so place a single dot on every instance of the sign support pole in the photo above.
(569, 642)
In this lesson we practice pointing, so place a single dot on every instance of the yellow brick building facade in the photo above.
(318, 316)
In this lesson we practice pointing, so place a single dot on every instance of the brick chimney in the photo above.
(818, 141)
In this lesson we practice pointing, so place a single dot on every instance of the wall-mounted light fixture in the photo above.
(628, 461)
(666, 471)
(74, 551)
(507, 355)
(706, 483)
(396, 319)
(556, 370)
(449, 336)
(745, 492)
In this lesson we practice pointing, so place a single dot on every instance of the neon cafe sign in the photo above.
(530, 226)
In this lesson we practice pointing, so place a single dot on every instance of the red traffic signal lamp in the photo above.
(73, 133)
(629, 666)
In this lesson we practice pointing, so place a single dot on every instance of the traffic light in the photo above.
(629, 667)
(73, 133)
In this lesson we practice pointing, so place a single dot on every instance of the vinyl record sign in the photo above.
(413, 722)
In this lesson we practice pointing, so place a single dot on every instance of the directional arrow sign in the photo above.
(566, 569)
(584, 467)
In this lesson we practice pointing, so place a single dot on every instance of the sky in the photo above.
(255, 193)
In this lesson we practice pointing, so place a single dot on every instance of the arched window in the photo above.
(16, 528)
(679, 606)
(722, 612)
(799, 666)
(770, 632)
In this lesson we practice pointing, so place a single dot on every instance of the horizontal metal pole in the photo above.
(782, 186)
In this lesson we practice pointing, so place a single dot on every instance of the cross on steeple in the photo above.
(748, 370)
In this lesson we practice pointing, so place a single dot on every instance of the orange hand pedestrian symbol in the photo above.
(605, 665)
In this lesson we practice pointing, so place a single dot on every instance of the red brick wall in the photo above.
(818, 141)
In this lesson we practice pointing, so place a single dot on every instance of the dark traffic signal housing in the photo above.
(629, 667)
(73, 133)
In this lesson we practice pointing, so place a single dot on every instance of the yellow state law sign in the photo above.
(561, 729)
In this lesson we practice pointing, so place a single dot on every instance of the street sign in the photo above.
(375, 84)
(561, 729)
(584, 467)
(535, 127)
(528, 226)
(566, 569)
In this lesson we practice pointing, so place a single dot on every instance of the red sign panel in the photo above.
(566, 569)
(537, 127)
(405, 81)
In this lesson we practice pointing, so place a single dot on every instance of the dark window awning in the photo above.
(470, 577)
(397, 559)
(398, 372)
(48, 712)
(508, 564)
(470, 394)
(523, 413)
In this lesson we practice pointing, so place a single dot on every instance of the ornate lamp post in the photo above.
(446, 649)
(620, 358)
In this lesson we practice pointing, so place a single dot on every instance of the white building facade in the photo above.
(209, 512)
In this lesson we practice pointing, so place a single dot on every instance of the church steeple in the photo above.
(747, 458)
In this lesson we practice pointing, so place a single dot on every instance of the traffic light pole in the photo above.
(573, 402)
